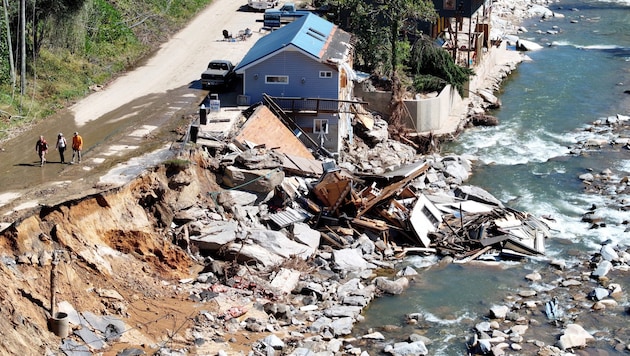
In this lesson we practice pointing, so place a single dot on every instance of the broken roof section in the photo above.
(263, 128)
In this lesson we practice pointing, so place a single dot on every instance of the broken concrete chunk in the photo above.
(574, 336)
(349, 260)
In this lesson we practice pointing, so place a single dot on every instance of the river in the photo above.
(578, 77)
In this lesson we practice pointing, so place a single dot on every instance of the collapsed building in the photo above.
(378, 187)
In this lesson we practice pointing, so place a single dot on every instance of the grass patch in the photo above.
(101, 41)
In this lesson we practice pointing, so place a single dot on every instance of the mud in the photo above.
(107, 241)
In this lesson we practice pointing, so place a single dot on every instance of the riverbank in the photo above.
(233, 305)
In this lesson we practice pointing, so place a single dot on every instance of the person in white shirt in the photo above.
(61, 147)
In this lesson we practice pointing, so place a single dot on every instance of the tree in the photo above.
(433, 67)
(380, 26)
(9, 45)
(397, 14)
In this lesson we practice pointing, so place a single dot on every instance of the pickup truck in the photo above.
(220, 72)
(287, 13)
(261, 5)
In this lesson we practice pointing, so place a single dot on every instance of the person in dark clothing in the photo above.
(41, 147)
(61, 147)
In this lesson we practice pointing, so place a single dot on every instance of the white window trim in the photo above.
(325, 74)
(276, 76)
(322, 123)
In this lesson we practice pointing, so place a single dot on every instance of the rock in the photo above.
(499, 311)
(602, 269)
(273, 341)
(456, 170)
(574, 336)
(391, 287)
(286, 280)
(483, 326)
(349, 260)
(519, 329)
(609, 253)
(416, 337)
(302, 233)
(279, 311)
(559, 264)
(533, 277)
(525, 45)
(408, 271)
(484, 120)
(109, 293)
(320, 325)
(490, 98)
(499, 349)
(527, 293)
(599, 294)
(262, 181)
(570, 283)
(588, 177)
(343, 311)
(213, 236)
(374, 336)
(407, 349)
(342, 326)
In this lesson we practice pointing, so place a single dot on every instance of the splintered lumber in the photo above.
(377, 226)
(333, 188)
(409, 250)
(392, 189)
(474, 256)
(331, 240)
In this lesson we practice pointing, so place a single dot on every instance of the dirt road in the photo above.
(139, 112)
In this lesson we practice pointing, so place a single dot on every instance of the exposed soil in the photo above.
(111, 241)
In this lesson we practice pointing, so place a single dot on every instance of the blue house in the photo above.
(308, 61)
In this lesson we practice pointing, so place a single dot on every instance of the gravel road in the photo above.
(134, 114)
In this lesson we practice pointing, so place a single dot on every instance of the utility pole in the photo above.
(53, 283)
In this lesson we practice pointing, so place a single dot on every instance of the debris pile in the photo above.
(380, 188)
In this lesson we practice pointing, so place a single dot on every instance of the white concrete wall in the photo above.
(439, 115)
(433, 114)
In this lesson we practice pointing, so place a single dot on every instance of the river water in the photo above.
(578, 77)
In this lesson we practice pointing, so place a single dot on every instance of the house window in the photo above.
(429, 215)
(276, 79)
(325, 74)
(320, 126)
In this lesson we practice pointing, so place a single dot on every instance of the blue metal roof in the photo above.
(308, 33)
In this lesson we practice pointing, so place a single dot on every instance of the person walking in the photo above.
(77, 146)
(41, 147)
(61, 147)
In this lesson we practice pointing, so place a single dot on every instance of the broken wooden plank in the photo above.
(392, 189)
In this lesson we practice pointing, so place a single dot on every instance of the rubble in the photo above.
(392, 195)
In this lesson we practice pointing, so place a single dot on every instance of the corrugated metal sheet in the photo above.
(290, 216)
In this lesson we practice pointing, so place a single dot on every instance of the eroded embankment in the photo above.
(115, 258)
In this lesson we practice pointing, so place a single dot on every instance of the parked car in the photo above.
(261, 5)
(220, 73)
(287, 13)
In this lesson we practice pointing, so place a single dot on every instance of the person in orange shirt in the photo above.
(77, 146)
